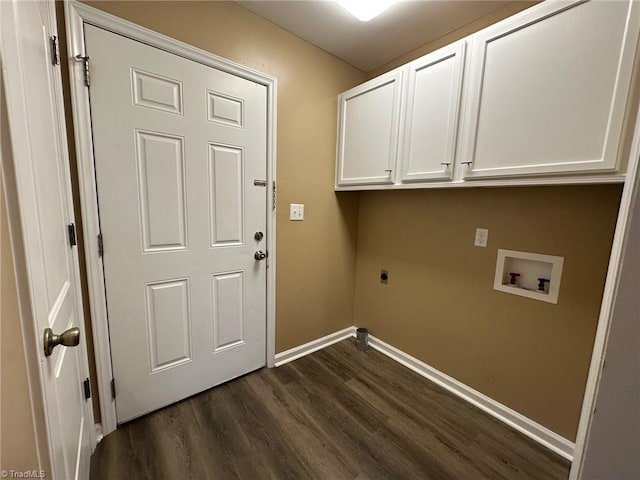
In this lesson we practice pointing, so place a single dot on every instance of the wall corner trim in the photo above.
(515, 420)
(313, 346)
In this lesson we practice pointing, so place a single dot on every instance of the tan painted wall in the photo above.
(18, 449)
(316, 258)
(530, 356)
(440, 306)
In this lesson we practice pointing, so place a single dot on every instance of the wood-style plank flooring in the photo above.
(336, 414)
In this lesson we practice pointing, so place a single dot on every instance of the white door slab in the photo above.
(33, 91)
(178, 146)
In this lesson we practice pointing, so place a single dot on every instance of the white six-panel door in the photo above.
(33, 90)
(178, 146)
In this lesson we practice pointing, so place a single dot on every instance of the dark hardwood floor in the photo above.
(336, 414)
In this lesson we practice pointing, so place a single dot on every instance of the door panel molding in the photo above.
(77, 15)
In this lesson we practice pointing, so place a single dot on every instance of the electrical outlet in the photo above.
(296, 212)
(482, 237)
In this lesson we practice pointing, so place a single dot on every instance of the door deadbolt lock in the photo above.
(260, 255)
(68, 338)
(258, 236)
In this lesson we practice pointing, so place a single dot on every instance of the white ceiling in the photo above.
(369, 45)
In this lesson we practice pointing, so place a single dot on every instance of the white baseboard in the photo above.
(313, 346)
(519, 422)
(97, 437)
(528, 427)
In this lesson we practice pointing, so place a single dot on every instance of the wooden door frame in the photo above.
(76, 16)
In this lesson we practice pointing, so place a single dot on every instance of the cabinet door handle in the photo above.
(443, 163)
(466, 163)
(389, 171)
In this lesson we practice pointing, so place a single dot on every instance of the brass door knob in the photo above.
(68, 338)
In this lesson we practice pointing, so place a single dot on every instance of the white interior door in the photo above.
(41, 166)
(178, 146)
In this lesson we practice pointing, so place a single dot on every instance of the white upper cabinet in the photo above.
(368, 131)
(431, 115)
(543, 97)
(547, 91)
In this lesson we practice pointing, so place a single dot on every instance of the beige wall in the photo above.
(530, 356)
(316, 258)
(18, 449)
(440, 306)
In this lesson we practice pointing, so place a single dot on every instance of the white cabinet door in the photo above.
(431, 115)
(548, 90)
(368, 123)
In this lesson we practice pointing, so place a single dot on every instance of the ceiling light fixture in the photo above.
(365, 10)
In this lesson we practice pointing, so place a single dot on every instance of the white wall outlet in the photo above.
(482, 237)
(296, 212)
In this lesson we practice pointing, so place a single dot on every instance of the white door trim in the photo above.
(629, 193)
(76, 15)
